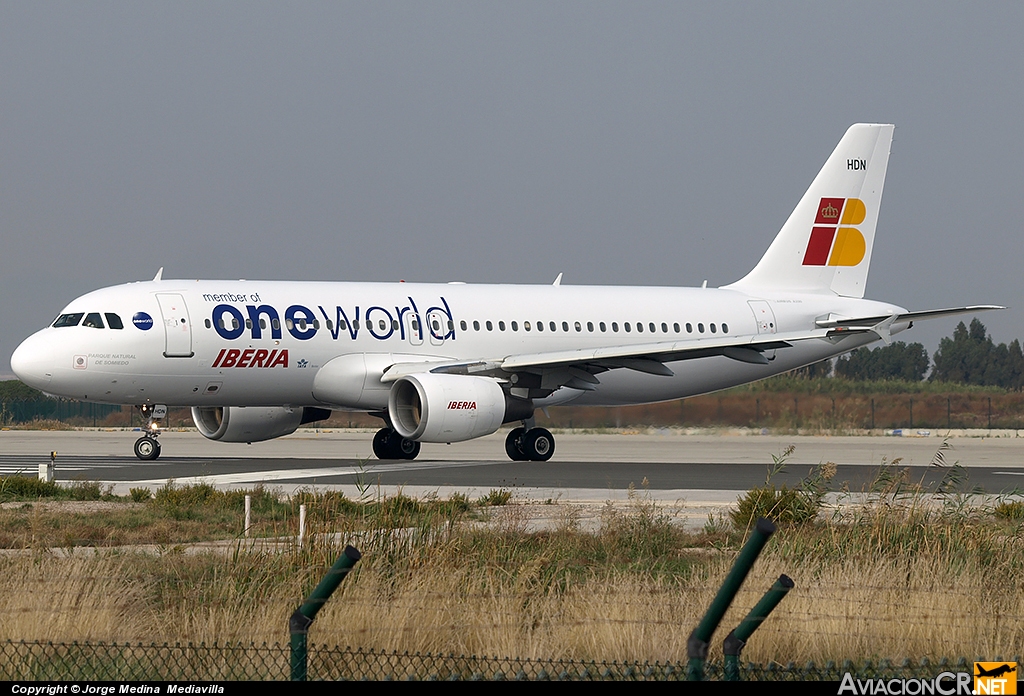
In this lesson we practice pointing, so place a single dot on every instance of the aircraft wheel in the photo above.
(147, 449)
(406, 449)
(382, 448)
(513, 445)
(538, 445)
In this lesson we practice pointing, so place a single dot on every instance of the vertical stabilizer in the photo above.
(825, 245)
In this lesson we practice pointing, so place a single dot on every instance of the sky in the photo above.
(623, 143)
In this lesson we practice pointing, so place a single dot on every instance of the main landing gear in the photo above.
(529, 444)
(387, 444)
(146, 447)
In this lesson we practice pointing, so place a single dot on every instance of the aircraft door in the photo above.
(437, 327)
(764, 316)
(177, 325)
(413, 328)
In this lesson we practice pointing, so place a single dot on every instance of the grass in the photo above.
(903, 573)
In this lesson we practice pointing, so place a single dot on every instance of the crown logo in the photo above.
(830, 211)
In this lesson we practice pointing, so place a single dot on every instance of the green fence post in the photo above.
(697, 643)
(300, 621)
(738, 637)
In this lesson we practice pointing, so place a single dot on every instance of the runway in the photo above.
(670, 465)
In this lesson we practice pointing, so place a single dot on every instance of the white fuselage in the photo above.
(214, 343)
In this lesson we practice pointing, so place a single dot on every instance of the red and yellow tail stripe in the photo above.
(834, 241)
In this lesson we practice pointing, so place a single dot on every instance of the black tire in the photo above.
(382, 447)
(147, 449)
(538, 445)
(406, 449)
(513, 445)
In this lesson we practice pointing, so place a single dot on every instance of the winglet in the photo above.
(558, 280)
(159, 275)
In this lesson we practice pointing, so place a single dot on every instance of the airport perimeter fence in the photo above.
(20, 661)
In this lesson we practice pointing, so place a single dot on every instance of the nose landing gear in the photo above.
(146, 447)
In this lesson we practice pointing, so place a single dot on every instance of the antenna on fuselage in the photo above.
(159, 275)
(558, 280)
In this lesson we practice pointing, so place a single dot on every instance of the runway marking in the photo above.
(287, 474)
(1009, 473)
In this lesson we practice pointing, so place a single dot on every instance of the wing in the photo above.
(578, 369)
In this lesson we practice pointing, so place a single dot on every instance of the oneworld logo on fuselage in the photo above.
(142, 321)
(233, 322)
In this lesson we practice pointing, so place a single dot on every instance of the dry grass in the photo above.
(898, 580)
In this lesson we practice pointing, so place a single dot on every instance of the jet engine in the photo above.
(451, 408)
(253, 423)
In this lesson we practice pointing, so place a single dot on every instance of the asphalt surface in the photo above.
(664, 462)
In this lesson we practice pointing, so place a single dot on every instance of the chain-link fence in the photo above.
(126, 662)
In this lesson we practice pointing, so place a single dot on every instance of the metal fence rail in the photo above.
(22, 660)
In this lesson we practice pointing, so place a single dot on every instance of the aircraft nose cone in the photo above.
(32, 363)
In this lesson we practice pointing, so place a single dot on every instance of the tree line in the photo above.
(969, 356)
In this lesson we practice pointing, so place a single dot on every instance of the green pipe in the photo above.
(697, 644)
(738, 637)
(302, 619)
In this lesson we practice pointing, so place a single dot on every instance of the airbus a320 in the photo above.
(452, 362)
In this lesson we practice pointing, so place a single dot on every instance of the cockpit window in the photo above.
(113, 321)
(92, 320)
(68, 320)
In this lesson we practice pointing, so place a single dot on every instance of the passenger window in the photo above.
(316, 324)
(276, 324)
(551, 325)
(461, 323)
(501, 326)
(369, 323)
(590, 326)
(248, 323)
(68, 320)
(476, 325)
(435, 325)
(675, 327)
(725, 327)
(451, 325)
(207, 322)
(565, 326)
(93, 321)
(114, 321)
(490, 326)
(689, 327)
(639, 327)
(526, 326)
(540, 326)
(577, 327)
(700, 328)
(626, 326)
(713, 329)
(330, 325)
(263, 323)
(664, 327)
(651, 327)
(615, 327)
(602, 327)
(415, 325)
(515, 326)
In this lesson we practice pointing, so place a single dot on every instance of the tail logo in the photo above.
(834, 241)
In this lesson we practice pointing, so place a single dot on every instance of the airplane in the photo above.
(451, 362)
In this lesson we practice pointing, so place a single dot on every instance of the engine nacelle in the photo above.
(446, 408)
(252, 423)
